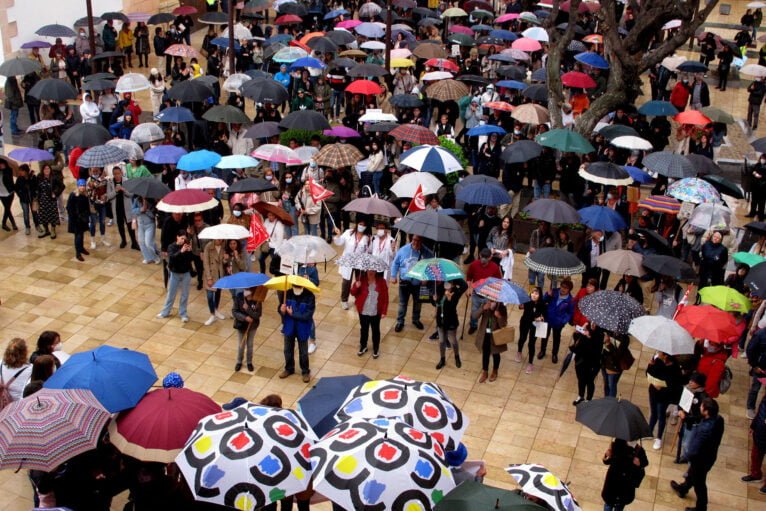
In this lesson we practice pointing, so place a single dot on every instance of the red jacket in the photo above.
(360, 292)
(579, 318)
(712, 365)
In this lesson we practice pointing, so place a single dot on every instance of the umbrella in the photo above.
(724, 186)
(430, 158)
(564, 140)
(324, 44)
(759, 144)
(418, 135)
(373, 206)
(670, 266)
(29, 154)
(662, 334)
(481, 194)
(338, 155)
(53, 89)
(539, 482)
(622, 262)
(711, 216)
(319, 405)
(691, 66)
(367, 70)
(473, 495)
(198, 160)
(19, 66)
(703, 164)
(264, 208)
(182, 50)
(388, 461)
(306, 249)
(717, 115)
(339, 37)
(373, 115)
(175, 114)
(748, 259)
(251, 185)
(511, 84)
(605, 173)
(611, 310)
(614, 418)
(436, 75)
(265, 90)
(692, 189)
(214, 18)
(284, 282)
(369, 30)
(531, 114)
(756, 280)
(539, 75)
(98, 85)
(576, 46)
(484, 130)
(43, 431)
(369, 10)
(44, 125)
(241, 280)
(307, 120)
(602, 218)
(363, 261)
(187, 201)
(554, 261)
(234, 161)
(725, 298)
(190, 91)
(101, 156)
(226, 113)
(270, 445)
(708, 322)
(224, 232)
(612, 131)
(552, 211)
(44, 44)
(55, 30)
(692, 117)
(592, 59)
(164, 154)
(132, 82)
(407, 185)
(435, 269)
(638, 175)
(521, 151)
(433, 226)
(632, 142)
(380, 127)
(160, 18)
(148, 187)
(263, 130)
(430, 51)
(578, 80)
(537, 92)
(501, 290)
(132, 149)
(341, 132)
(661, 204)
(157, 428)
(117, 377)
(447, 90)
(276, 153)
(656, 107)
(669, 164)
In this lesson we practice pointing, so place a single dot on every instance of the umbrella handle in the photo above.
(465, 313)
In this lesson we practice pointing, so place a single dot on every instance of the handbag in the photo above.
(498, 340)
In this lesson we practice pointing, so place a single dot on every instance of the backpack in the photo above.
(725, 384)
(5, 393)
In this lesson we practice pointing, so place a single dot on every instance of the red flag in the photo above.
(318, 192)
(258, 233)
(684, 302)
(418, 202)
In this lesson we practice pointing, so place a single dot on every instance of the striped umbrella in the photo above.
(500, 290)
(661, 204)
(43, 431)
(430, 158)
(101, 156)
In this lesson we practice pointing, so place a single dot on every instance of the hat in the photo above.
(475, 100)
(490, 87)
(485, 252)
(154, 71)
(81, 182)
(698, 378)
(237, 401)
(457, 457)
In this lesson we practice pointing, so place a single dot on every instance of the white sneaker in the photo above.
(110, 222)
(344, 305)
(92, 245)
(158, 261)
(105, 243)
(312, 347)
(529, 369)
(219, 315)
(160, 316)
(210, 320)
(184, 319)
(144, 262)
(657, 445)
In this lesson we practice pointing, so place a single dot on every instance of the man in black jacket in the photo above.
(172, 224)
(756, 357)
(757, 91)
(179, 266)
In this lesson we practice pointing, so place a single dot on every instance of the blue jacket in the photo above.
(559, 314)
(703, 447)
(405, 259)
(283, 78)
(299, 323)
(121, 130)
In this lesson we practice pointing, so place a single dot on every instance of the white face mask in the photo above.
(289, 180)
(269, 177)
(298, 291)
(247, 292)
(360, 228)
(237, 213)
(381, 233)
(58, 347)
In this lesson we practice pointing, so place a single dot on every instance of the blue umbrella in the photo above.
(602, 218)
(505, 35)
(241, 280)
(175, 114)
(307, 62)
(656, 107)
(35, 44)
(118, 378)
(512, 84)
(692, 66)
(485, 129)
(223, 42)
(334, 14)
(484, 194)
(539, 75)
(164, 154)
(428, 158)
(501, 290)
(27, 154)
(452, 212)
(279, 38)
(370, 30)
(198, 160)
(501, 57)
(592, 59)
(56, 30)
(480, 27)
(320, 404)
(638, 174)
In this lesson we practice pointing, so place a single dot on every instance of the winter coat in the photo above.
(713, 365)
(13, 100)
(497, 324)
(127, 200)
(78, 211)
(242, 309)
(756, 350)
(559, 314)
(703, 448)
(670, 373)
(619, 485)
(759, 426)
(212, 263)
(447, 315)
(299, 323)
(360, 294)
(532, 311)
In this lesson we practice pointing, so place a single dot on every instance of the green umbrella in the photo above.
(748, 258)
(718, 115)
(725, 298)
(481, 14)
(462, 39)
(436, 269)
(226, 113)
(565, 140)
(475, 496)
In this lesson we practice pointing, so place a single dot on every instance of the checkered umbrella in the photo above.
(362, 261)
(611, 310)
(669, 164)
(101, 156)
(338, 155)
(554, 261)
(447, 90)
(418, 135)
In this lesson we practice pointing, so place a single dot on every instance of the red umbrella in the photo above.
(158, 427)
(578, 80)
(499, 105)
(416, 134)
(185, 10)
(287, 19)
(707, 322)
(366, 87)
(299, 44)
(187, 201)
(443, 64)
(694, 117)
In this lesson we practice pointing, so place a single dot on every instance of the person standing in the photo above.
(122, 210)
(691, 419)
(725, 58)
(448, 321)
(353, 242)
(758, 187)
(13, 102)
(179, 269)
(49, 187)
(625, 473)
(15, 370)
(212, 267)
(78, 212)
(26, 188)
(156, 89)
(247, 310)
(702, 454)
(7, 189)
(587, 344)
(757, 92)
(713, 258)
(382, 246)
(479, 270)
(297, 313)
(141, 38)
(405, 258)
(663, 375)
(97, 193)
(145, 214)
(533, 311)
(492, 317)
(125, 43)
(758, 447)
(371, 300)
(756, 359)
(560, 312)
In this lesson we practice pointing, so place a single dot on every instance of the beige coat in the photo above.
(497, 326)
(212, 263)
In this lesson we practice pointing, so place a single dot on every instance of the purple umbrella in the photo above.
(28, 154)
(164, 154)
(342, 132)
(35, 44)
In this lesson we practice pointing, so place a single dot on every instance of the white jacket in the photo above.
(350, 245)
(90, 112)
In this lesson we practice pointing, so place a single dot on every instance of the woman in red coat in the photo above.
(591, 287)
(713, 364)
(371, 294)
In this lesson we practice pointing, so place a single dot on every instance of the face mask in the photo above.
(516, 132)
(269, 177)
(237, 213)
(609, 196)
(381, 233)
(360, 228)
(289, 180)
(298, 291)
(484, 260)
(58, 347)
(82, 34)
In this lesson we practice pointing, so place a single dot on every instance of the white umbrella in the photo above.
(207, 182)
(436, 75)
(401, 53)
(146, 132)
(132, 149)
(377, 115)
(754, 70)
(536, 33)
(373, 45)
(671, 63)
(632, 142)
(224, 232)
(672, 24)
(305, 153)
(369, 9)
(710, 215)
(240, 32)
(132, 82)
(756, 5)
(278, 153)
(234, 82)
(306, 249)
(662, 334)
(407, 185)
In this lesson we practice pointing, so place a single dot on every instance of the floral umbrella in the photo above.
(362, 261)
(692, 189)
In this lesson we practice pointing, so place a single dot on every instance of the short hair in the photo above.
(272, 400)
(711, 405)
(567, 284)
(15, 353)
(181, 232)
(46, 340)
(592, 282)
(43, 367)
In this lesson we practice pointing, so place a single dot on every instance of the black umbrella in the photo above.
(226, 113)
(554, 261)
(85, 135)
(756, 280)
(669, 164)
(723, 185)
(257, 73)
(521, 151)
(55, 31)
(108, 55)
(552, 211)
(19, 67)
(692, 66)
(263, 130)
(266, 90)
(157, 19)
(670, 266)
(617, 130)
(433, 226)
(367, 70)
(190, 91)
(53, 89)
(99, 76)
(308, 120)
(323, 44)
(424, 12)
(704, 165)
(293, 8)
(578, 30)
(84, 21)
(343, 62)
(756, 227)
(251, 184)
(611, 310)
(512, 72)
(98, 85)
(605, 173)
(576, 46)
(272, 49)
(381, 127)
(340, 37)
(148, 187)
(215, 18)
(208, 80)
(114, 16)
(539, 75)
(475, 79)
(614, 418)
(654, 239)
(405, 100)
(537, 92)
(759, 144)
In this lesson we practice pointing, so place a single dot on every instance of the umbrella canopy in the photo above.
(373, 206)
(241, 280)
(605, 173)
(148, 187)
(703, 164)
(190, 91)
(693, 117)
(363, 261)
(656, 107)
(157, 428)
(132, 149)
(224, 232)
(198, 160)
(484, 195)
(612, 131)
(226, 113)
(338, 156)
(308, 120)
(234, 161)
(265, 90)
(277, 153)
(320, 404)
(661, 204)
(537, 92)
(554, 261)
(187, 201)
(132, 82)
(691, 66)
(430, 158)
(270, 445)
(531, 113)
(552, 211)
(44, 125)
(117, 377)
(435, 269)
(55, 30)
(251, 185)
(175, 114)
(613, 418)
(602, 218)
(342, 132)
(447, 90)
(101, 156)
(164, 154)
(611, 310)
(43, 431)
(418, 135)
(724, 186)
(29, 154)
(407, 185)
(539, 482)
(725, 298)
(473, 495)
(711, 216)
(670, 266)
(521, 151)
(632, 142)
(146, 132)
(284, 282)
(717, 115)
(756, 280)
(669, 164)
(53, 89)
(692, 189)
(501, 290)
(748, 259)
(264, 208)
(622, 262)
(305, 249)
(162, 17)
(578, 80)
(433, 226)
(409, 101)
(484, 130)
(19, 67)
(564, 140)
(662, 334)
(389, 462)
(592, 59)
(708, 322)
(263, 130)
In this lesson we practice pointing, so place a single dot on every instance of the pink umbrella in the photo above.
(401, 53)
(136, 17)
(443, 64)
(277, 153)
(182, 50)
(526, 44)
(460, 29)
(348, 24)
(515, 54)
(342, 132)
(507, 17)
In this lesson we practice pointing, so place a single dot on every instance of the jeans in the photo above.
(407, 289)
(146, 239)
(657, 409)
(610, 383)
(79, 242)
(245, 341)
(377, 177)
(14, 121)
(486, 351)
(262, 259)
(448, 336)
(477, 302)
(26, 211)
(336, 103)
(98, 217)
(538, 191)
(213, 300)
(291, 230)
(176, 280)
(310, 228)
(303, 354)
(122, 222)
(366, 324)
(536, 278)
(752, 394)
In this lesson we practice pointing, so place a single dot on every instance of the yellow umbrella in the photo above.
(288, 281)
(402, 63)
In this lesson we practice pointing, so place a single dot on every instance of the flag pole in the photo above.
(329, 214)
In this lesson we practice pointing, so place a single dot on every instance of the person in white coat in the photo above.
(89, 110)
(182, 180)
(156, 89)
(353, 242)
(276, 230)
(382, 245)
(238, 142)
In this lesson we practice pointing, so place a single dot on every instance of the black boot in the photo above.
(458, 364)
(441, 363)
